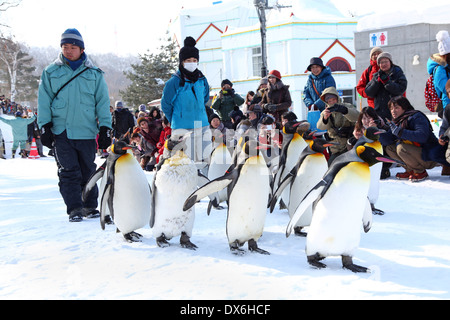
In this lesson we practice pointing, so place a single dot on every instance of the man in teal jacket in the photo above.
(183, 102)
(19, 127)
(73, 106)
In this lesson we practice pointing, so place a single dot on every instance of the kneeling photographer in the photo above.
(338, 119)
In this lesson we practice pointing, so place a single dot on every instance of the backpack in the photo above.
(432, 99)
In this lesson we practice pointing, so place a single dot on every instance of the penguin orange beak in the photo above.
(326, 145)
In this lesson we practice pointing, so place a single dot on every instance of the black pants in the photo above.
(75, 160)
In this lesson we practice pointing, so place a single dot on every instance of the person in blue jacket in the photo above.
(438, 66)
(184, 101)
(410, 138)
(19, 127)
(319, 79)
(71, 118)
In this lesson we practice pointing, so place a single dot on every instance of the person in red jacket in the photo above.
(367, 75)
(165, 134)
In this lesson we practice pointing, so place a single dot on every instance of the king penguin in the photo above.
(176, 178)
(309, 170)
(247, 183)
(339, 206)
(125, 193)
(293, 146)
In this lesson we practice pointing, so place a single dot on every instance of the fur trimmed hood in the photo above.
(434, 61)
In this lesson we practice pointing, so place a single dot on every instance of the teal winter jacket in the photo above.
(19, 127)
(81, 107)
(184, 106)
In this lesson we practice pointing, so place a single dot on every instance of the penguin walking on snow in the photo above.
(248, 188)
(125, 193)
(308, 171)
(176, 178)
(340, 205)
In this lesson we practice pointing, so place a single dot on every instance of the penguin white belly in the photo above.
(375, 173)
(309, 174)
(132, 197)
(174, 184)
(219, 164)
(248, 202)
(336, 224)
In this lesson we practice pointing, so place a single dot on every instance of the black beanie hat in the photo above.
(189, 50)
(226, 81)
(213, 116)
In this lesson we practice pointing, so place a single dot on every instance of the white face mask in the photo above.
(190, 66)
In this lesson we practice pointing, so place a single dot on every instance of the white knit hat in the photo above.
(443, 39)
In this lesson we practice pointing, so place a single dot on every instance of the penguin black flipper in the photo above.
(97, 175)
(103, 203)
(153, 206)
(107, 198)
(210, 188)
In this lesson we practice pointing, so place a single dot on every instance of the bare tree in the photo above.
(5, 5)
(16, 62)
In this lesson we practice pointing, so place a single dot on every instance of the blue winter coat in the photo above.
(438, 65)
(418, 130)
(322, 81)
(184, 106)
(81, 107)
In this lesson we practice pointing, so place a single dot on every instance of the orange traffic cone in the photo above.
(33, 152)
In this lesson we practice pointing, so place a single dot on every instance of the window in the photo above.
(339, 64)
(257, 61)
(347, 95)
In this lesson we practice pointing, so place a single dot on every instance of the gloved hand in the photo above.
(383, 77)
(47, 137)
(395, 129)
(338, 108)
(104, 138)
(272, 107)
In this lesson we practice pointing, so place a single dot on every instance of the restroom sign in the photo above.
(378, 39)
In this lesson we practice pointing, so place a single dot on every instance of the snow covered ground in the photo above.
(43, 256)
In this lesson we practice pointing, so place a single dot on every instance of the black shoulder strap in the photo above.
(68, 82)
